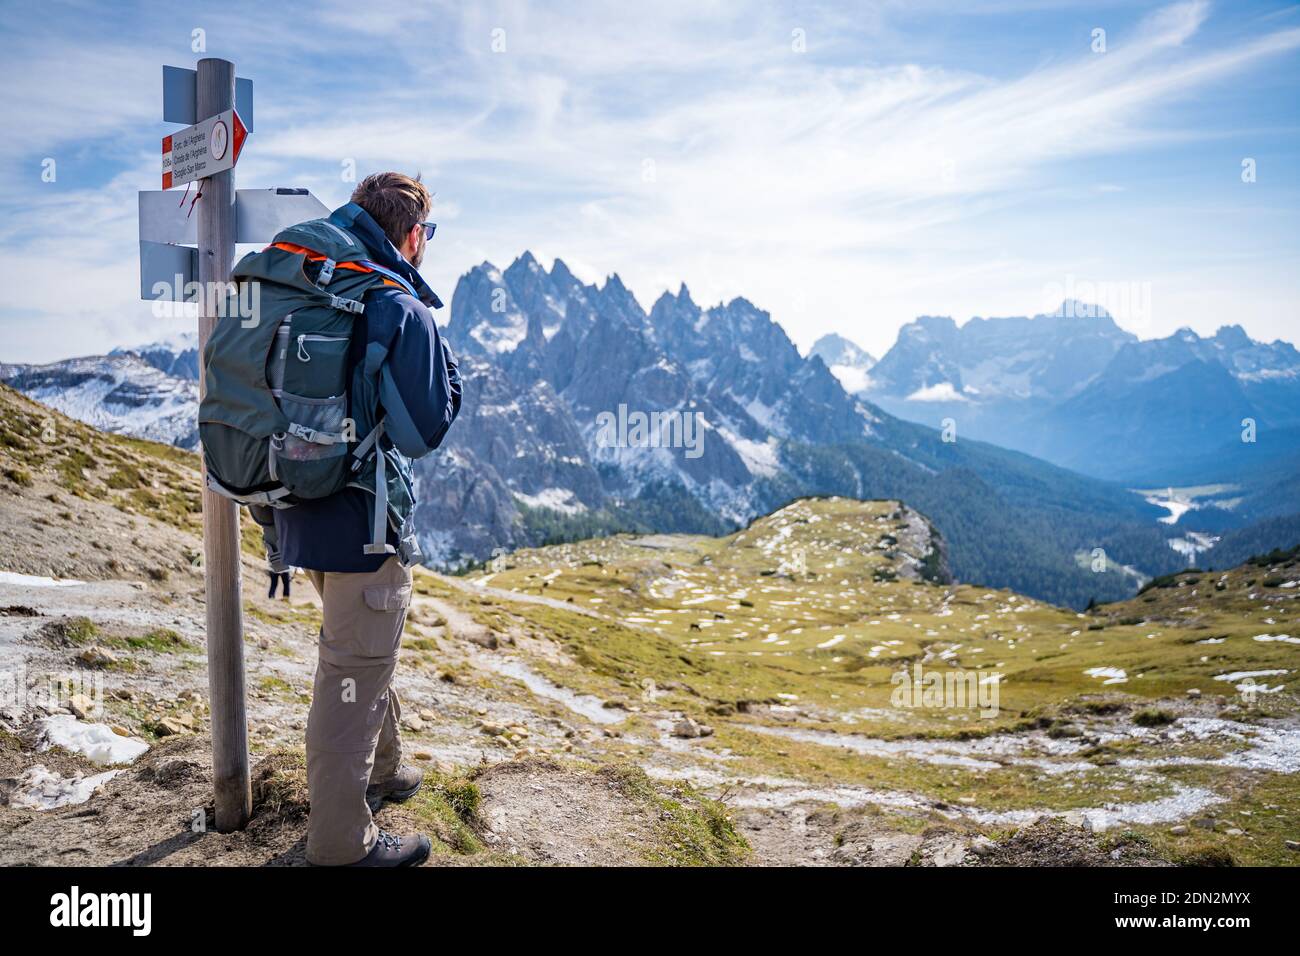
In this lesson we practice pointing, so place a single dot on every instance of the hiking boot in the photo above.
(401, 786)
(390, 851)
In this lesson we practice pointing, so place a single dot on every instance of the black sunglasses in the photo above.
(429, 229)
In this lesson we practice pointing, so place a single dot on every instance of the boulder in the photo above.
(97, 657)
(170, 727)
(686, 728)
(82, 706)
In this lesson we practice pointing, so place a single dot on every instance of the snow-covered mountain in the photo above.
(730, 370)
(1163, 401)
(1075, 389)
(119, 393)
(997, 359)
(847, 361)
(773, 425)
(585, 413)
(177, 355)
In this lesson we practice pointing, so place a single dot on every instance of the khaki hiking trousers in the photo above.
(352, 731)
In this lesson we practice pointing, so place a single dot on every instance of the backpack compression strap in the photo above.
(268, 498)
(379, 536)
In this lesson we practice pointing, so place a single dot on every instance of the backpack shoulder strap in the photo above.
(390, 274)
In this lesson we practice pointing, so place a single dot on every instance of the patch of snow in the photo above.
(1183, 803)
(1192, 543)
(41, 789)
(1242, 675)
(1112, 675)
(502, 338)
(1176, 505)
(927, 751)
(1247, 679)
(96, 741)
(759, 457)
(765, 415)
(36, 581)
(556, 499)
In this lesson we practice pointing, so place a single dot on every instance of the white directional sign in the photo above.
(208, 147)
(169, 233)
(169, 273)
(259, 215)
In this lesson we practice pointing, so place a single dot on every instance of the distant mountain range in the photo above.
(549, 360)
(122, 393)
(1077, 390)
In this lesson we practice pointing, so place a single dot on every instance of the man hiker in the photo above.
(354, 746)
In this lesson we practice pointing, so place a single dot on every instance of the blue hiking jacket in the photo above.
(328, 534)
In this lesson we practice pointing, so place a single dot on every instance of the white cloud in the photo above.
(822, 186)
(939, 392)
(854, 378)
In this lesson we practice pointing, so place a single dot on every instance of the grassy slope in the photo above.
(703, 610)
(41, 447)
(713, 626)
(708, 625)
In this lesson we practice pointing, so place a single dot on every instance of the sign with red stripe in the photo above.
(208, 147)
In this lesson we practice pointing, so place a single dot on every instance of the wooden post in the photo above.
(216, 234)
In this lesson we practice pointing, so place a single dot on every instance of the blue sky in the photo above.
(912, 158)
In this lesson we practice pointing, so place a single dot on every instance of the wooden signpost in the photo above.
(216, 211)
(186, 254)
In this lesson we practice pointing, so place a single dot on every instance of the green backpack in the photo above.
(279, 420)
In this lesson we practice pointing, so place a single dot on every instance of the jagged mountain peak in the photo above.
(741, 304)
(1079, 309)
(684, 297)
(561, 273)
(176, 355)
(834, 349)
(1233, 336)
(1049, 356)
(619, 297)
(526, 260)
(931, 325)
(670, 308)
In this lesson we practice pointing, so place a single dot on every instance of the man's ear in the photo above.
(410, 241)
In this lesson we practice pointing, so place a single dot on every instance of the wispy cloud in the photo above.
(848, 187)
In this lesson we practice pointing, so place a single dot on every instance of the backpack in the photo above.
(281, 420)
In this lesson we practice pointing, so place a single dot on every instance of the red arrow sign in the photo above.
(240, 135)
